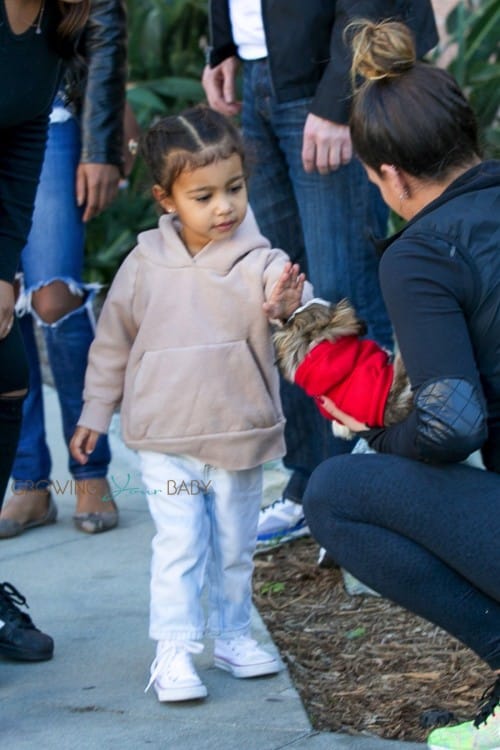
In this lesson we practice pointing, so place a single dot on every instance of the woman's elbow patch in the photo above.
(451, 419)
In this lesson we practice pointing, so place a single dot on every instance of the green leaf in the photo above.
(355, 633)
(272, 587)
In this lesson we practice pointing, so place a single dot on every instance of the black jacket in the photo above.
(307, 53)
(96, 90)
(440, 279)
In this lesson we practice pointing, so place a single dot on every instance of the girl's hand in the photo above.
(341, 416)
(82, 444)
(286, 296)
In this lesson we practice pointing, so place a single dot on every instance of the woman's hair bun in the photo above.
(381, 50)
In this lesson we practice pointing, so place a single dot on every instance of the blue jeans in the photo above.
(325, 223)
(206, 528)
(55, 252)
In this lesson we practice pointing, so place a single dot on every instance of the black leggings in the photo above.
(13, 377)
(426, 537)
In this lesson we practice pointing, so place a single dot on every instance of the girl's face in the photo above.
(211, 202)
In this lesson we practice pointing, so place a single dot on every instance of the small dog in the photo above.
(320, 349)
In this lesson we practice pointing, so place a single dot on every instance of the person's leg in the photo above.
(307, 434)
(29, 504)
(179, 557)
(61, 305)
(13, 389)
(233, 502)
(20, 639)
(424, 536)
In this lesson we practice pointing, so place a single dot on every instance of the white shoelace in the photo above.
(168, 651)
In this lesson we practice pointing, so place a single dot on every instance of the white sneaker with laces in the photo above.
(172, 672)
(243, 657)
(280, 522)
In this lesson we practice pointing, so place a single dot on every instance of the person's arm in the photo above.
(327, 141)
(219, 74)
(426, 288)
(337, 76)
(285, 287)
(110, 351)
(286, 293)
(21, 159)
(102, 118)
(219, 84)
(222, 43)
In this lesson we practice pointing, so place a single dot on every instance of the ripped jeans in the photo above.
(55, 252)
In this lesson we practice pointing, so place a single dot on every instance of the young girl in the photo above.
(184, 343)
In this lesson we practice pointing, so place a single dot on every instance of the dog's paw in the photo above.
(341, 431)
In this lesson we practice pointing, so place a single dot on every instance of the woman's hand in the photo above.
(7, 301)
(82, 443)
(286, 296)
(96, 187)
(341, 416)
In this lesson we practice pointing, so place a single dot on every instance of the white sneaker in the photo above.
(243, 657)
(172, 672)
(280, 522)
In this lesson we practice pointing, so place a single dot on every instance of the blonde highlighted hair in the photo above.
(406, 112)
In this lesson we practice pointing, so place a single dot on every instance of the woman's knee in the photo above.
(55, 300)
(328, 489)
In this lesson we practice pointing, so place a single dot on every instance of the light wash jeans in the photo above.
(55, 252)
(206, 527)
(324, 222)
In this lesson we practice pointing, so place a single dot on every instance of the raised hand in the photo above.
(286, 295)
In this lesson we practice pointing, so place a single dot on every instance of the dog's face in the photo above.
(309, 326)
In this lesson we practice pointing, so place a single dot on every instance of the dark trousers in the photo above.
(427, 537)
(13, 377)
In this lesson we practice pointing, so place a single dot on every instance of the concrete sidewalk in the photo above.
(91, 594)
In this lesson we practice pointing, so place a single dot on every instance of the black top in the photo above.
(440, 279)
(29, 74)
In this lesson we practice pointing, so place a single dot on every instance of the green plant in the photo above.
(166, 39)
(474, 43)
(165, 53)
(473, 27)
(272, 587)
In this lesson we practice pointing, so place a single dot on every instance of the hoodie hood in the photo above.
(219, 256)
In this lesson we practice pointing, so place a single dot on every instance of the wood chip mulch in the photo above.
(361, 664)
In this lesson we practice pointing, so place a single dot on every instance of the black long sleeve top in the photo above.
(30, 71)
(440, 280)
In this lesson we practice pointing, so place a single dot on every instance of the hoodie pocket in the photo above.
(200, 390)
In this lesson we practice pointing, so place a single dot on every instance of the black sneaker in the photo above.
(19, 638)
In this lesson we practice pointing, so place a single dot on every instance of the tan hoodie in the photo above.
(183, 343)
